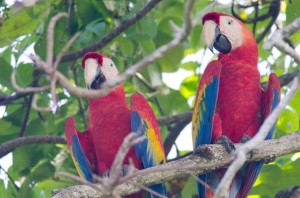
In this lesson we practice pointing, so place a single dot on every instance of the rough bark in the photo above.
(206, 158)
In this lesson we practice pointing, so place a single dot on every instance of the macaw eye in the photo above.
(111, 65)
(230, 22)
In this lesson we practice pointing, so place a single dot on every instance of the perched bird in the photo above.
(110, 121)
(230, 104)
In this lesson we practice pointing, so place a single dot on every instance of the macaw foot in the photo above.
(245, 139)
(106, 173)
(226, 142)
(268, 160)
(125, 169)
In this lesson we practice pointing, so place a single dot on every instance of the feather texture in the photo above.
(234, 106)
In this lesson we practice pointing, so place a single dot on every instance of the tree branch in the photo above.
(113, 34)
(174, 133)
(278, 37)
(293, 192)
(20, 141)
(206, 158)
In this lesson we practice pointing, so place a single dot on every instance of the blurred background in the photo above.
(169, 84)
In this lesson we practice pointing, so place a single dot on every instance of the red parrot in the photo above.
(94, 150)
(230, 104)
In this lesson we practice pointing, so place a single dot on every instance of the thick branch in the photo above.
(113, 34)
(174, 133)
(207, 158)
(12, 144)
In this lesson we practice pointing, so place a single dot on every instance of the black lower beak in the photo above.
(221, 43)
(99, 79)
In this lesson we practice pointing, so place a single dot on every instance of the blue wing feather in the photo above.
(150, 151)
(81, 159)
(203, 113)
(76, 141)
(207, 109)
(137, 126)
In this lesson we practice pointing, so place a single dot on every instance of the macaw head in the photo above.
(97, 69)
(225, 33)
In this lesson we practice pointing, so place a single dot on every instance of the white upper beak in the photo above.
(91, 70)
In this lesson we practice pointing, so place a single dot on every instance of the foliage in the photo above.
(34, 166)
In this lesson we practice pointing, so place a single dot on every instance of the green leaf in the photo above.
(49, 184)
(295, 104)
(126, 46)
(24, 22)
(189, 86)
(164, 24)
(24, 74)
(94, 31)
(6, 69)
(42, 171)
(7, 128)
(148, 46)
(3, 192)
(190, 66)
(288, 121)
(145, 29)
(173, 103)
(196, 36)
(170, 61)
(86, 12)
(190, 188)
(292, 11)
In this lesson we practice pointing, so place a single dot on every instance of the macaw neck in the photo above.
(247, 53)
(115, 98)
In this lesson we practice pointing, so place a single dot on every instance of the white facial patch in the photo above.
(232, 30)
(208, 33)
(90, 70)
(109, 69)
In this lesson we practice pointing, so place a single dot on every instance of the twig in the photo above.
(66, 47)
(174, 133)
(116, 168)
(206, 158)
(97, 187)
(10, 178)
(80, 101)
(20, 141)
(113, 34)
(50, 37)
(240, 154)
(149, 190)
(36, 107)
(277, 39)
(26, 116)
(109, 85)
(27, 89)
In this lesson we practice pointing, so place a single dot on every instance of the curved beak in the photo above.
(214, 39)
(93, 75)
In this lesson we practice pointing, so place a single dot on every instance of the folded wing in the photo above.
(81, 149)
(150, 152)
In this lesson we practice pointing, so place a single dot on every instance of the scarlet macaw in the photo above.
(230, 104)
(94, 150)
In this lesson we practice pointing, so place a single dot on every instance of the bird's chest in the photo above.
(110, 126)
(238, 103)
